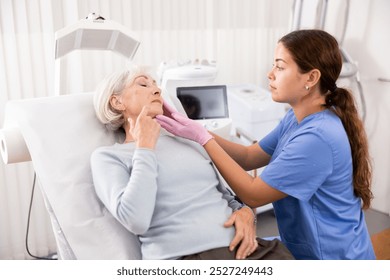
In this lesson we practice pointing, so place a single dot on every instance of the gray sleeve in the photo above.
(129, 195)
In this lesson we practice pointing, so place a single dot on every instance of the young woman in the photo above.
(318, 171)
(164, 188)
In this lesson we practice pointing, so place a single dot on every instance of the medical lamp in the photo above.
(92, 33)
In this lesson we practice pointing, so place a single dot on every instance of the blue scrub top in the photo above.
(321, 218)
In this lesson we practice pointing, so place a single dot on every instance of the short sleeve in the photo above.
(301, 167)
(270, 141)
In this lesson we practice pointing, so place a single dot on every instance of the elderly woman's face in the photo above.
(142, 92)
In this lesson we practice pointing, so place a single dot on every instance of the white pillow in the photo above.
(61, 132)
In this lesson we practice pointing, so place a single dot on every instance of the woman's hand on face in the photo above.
(145, 130)
(244, 222)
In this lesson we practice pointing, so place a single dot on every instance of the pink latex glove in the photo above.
(168, 110)
(180, 125)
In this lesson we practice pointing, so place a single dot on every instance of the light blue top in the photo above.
(311, 162)
(171, 197)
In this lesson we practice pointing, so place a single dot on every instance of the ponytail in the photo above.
(342, 103)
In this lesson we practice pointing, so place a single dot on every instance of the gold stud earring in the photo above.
(307, 87)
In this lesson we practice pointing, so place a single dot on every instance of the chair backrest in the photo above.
(61, 132)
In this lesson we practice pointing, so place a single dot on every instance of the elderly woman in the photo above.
(163, 188)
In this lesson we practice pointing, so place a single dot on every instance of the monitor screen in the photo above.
(204, 102)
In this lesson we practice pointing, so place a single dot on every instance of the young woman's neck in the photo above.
(309, 105)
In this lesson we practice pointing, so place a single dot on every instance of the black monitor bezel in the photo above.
(205, 88)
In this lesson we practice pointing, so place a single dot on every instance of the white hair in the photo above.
(114, 84)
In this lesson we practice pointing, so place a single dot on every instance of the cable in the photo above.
(346, 15)
(362, 99)
(28, 223)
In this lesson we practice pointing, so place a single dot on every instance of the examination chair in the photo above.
(60, 133)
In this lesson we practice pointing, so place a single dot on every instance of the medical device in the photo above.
(349, 76)
(92, 33)
(183, 82)
(349, 68)
(173, 75)
(208, 105)
(205, 102)
(253, 111)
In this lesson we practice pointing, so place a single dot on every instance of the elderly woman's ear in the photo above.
(116, 103)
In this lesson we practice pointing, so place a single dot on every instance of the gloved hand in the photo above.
(180, 125)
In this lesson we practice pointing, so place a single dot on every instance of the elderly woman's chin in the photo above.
(155, 109)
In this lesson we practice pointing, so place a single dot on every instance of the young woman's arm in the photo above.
(254, 192)
(248, 157)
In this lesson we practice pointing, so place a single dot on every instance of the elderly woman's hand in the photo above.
(145, 130)
(245, 238)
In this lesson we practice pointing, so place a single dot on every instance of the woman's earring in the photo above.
(307, 87)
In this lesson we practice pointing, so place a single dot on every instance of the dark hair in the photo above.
(317, 49)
